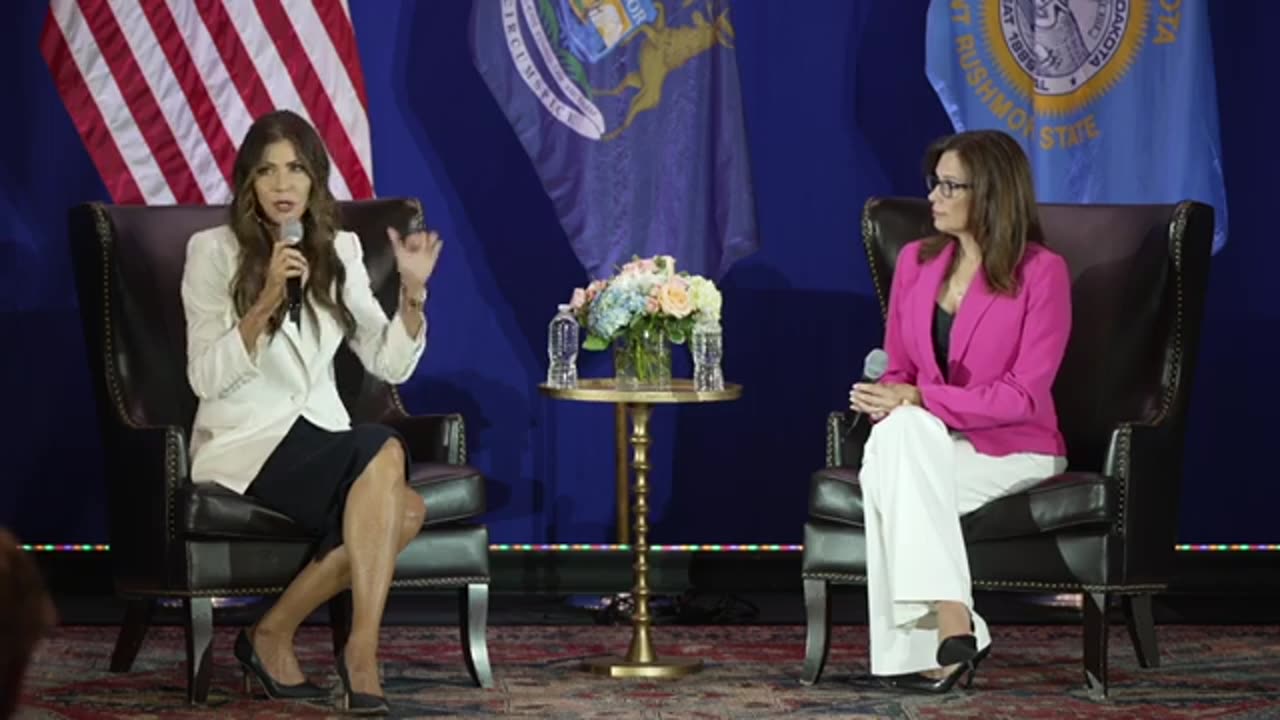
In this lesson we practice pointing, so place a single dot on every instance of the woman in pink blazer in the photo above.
(979, 315)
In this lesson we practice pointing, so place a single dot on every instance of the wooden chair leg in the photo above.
(817, 638)
(1142, 628)
(340, 621)
(133, 630)
(198, 619)
(473, 616)
(1095, 644)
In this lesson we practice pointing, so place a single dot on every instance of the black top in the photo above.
(941, 336)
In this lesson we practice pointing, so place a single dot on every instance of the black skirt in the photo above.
(308, 475)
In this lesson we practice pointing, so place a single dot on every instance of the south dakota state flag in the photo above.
(631, 114)
(1113, 100)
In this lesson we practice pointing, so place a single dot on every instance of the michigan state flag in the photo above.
(1113, 100)
(631, 113)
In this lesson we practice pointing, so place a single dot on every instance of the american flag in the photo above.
(163, 91)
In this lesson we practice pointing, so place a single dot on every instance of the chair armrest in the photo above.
(146, 468)
(434, 438)
(1145, 460)
(847, 434)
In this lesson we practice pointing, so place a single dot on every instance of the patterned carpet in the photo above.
(751, 672)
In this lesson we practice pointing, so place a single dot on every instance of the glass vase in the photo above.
(642, 360)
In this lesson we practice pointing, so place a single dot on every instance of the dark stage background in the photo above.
(837, 109)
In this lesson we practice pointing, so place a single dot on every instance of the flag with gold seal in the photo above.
(1113, 100)
(631, 113)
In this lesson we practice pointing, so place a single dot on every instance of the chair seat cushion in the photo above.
(450, 492)
(1072, 499)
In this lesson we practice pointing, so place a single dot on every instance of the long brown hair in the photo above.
(319, 222)
(1003, 216)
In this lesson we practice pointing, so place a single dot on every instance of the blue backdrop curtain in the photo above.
(837, 108)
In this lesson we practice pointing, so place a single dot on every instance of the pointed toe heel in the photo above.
(253, 668)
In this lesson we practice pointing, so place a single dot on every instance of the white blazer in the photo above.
(248, 401)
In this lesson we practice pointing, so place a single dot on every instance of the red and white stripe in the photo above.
(163, 91)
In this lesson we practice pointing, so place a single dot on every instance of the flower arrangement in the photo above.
(642, 307)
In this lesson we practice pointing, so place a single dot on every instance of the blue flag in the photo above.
(632, 115)
(1113, 100)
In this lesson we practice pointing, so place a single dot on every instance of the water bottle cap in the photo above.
(564, 307)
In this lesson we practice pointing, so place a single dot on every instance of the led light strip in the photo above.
(1227, 547)
(750, 547)
(519, 547)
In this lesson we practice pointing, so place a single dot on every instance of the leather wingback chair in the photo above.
(172, 538)
(1107, 527)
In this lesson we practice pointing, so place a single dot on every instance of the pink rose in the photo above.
(595, 288)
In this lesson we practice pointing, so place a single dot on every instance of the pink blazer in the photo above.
(1004, 353)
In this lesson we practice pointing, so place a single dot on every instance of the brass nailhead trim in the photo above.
(171, 476)
(459, 581)
(103, 227)
(462, 439)
(833, 432)
(1124, 445)
(851, 579)
(868, 230)
(439, 582)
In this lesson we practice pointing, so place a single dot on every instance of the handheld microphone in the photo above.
(873, 368)
(874, 365)
(291, 234)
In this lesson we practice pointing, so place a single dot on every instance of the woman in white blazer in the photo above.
(270, 423)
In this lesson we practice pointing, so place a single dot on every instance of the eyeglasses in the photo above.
(948, 187)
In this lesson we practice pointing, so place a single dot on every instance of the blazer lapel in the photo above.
(293, 333)
(926, 302)
(977, 300)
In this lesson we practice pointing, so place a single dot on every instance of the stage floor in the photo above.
(751, 671)
(703, 608)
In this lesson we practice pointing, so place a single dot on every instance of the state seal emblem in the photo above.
(1063, 53)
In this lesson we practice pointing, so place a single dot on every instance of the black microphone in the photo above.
(873, 368)
(291, 234)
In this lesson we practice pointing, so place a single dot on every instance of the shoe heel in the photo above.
(968, 680)
(246, 682)
(957, 649)
(252, 668)
(358, 703)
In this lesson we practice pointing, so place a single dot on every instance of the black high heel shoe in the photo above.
(248, 657)
(918, 682)
(358, 703)
(958, 648)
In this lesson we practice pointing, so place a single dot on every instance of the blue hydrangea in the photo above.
(616, 308)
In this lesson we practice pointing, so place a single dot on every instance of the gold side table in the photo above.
(641, 660)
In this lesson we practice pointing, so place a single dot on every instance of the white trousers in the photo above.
(917, 479)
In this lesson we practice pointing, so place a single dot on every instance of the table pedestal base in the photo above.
(640, 660)
(620, 667)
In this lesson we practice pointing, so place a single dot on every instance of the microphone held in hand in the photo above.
(873, 368)
(291, 234)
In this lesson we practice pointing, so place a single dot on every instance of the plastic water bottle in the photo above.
(707, 347)
(562, 349)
